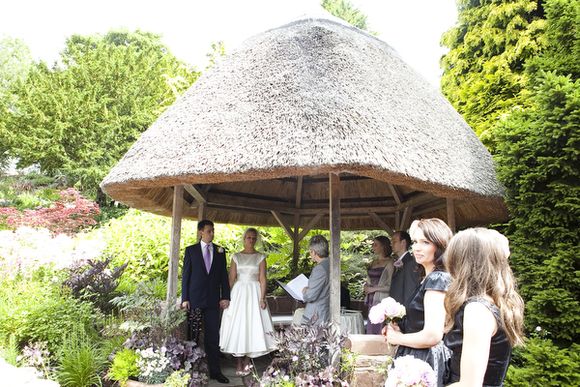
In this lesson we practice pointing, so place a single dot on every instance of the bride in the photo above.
(246, 323)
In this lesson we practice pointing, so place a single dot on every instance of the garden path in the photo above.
(22, 377)
(229, 370)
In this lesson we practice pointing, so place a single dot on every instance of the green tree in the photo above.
(538, 150)
(344, 10)
(483, 74)
(79, 118)
(15, 60)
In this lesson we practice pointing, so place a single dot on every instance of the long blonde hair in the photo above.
(477, 260)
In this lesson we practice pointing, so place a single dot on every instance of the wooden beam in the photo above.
(406, 221)
(416, 200)
(395, 193)
(310, 224)
(283, 224)
(451, 214)
(350, 210)
(176, 215)
(434, 207)
(397, 220)
(195, 191)
(334, 208)
(381, 223)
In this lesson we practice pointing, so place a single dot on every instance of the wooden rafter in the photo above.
(196, 192)
(283, 224)
(381, 223)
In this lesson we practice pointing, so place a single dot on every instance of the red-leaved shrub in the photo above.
(69, 214)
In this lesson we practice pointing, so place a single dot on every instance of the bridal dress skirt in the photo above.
(246, 328)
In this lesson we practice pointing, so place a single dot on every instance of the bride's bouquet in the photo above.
(386, 311)
(408, 371)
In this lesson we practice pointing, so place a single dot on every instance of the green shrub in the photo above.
(80, 361)
(541, 363)
(124, 366)
(36, 311)
(142, 240)
(9, 350)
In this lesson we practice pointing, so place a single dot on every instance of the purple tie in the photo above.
(207, 258)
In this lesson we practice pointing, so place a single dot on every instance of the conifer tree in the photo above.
(80, 117)
(483, 72)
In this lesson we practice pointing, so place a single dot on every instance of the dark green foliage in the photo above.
(541, 363)
(79, 119)
(518, 86)
(484, 70)
(563, 45)
(537, 158)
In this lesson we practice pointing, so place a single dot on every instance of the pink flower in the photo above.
(388, 309)
(409, 371)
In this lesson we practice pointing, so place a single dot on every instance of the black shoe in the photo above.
(220, 378)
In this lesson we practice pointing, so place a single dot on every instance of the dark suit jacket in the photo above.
(200, 288)
(405, 280)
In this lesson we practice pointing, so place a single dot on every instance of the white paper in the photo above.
(294, 287)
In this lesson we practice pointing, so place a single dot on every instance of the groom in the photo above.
(205, 289)
(406, 277)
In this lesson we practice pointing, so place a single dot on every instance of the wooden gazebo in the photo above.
(314, 124)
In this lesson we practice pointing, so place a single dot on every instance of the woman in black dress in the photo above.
(420, 333)
(484, 310)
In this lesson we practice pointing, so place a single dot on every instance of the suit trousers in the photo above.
(211, 338)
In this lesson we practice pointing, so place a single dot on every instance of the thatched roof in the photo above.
(311, 97)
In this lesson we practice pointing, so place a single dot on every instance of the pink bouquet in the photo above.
(387, 310)
(408, 371)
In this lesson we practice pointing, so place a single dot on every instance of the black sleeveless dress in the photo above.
(499, 352)
(414, 321)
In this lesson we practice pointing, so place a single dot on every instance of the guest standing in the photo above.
(484, 310)
(379, 276)
(406, 277)
(421, 331)
(247, 325)
(317, 293)
(204, 290)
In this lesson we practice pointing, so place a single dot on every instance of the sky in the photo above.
(188, 27)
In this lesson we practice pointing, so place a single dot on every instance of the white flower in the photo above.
(220, 250)
(538, 328)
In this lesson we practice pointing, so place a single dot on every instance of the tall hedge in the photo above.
(532, 127)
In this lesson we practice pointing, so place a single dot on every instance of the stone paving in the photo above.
(22, 377)
(229, 370)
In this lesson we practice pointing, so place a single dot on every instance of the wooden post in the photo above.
(334, 193)
(295, 247)
(451, 214)
(174, 245)
(201, 211)
(297, 239)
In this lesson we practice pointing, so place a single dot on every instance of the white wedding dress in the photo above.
(245, 326)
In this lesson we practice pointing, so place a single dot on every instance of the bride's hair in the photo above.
(477, 260)
(254, 231)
